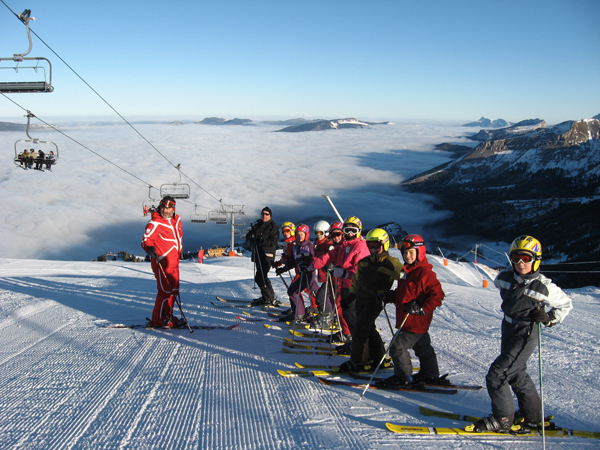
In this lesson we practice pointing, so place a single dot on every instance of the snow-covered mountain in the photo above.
(328, 125)
(69, 383)
(484, 122)
(542, 181)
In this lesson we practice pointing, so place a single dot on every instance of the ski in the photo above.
(248, 302)
(550, 426)
(322, 371)
(184, 327)
(272, 327)
(299, 340)
(309, 347)
(314, 352)
(250, 319)
(427, 390)
(558, 432)
(467, 387)
(330, 367)
(313, 334)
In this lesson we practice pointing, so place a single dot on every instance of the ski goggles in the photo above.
(406, 245)
(168, 204)
(335, 234)
(373, 244)
(319, 233)
(518, 258)
(350, 230)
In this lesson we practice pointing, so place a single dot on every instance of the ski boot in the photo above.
(492, 423)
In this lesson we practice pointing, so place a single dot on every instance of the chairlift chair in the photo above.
(26, 144)
(218, 217)
(176, 189)
(197, 218)
(21, 61)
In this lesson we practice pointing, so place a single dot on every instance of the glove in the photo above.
(381, 299)
(345, 302)
(540, 315)
(303, 265)
(414, 309)
(152, 252)
(330, 268)
(280, 270)
(402, 275)
(338, 272)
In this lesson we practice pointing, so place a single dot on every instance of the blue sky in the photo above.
(434, 60)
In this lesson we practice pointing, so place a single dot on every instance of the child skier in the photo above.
(525, 293)
(374, 276)
(418, 294)
(302, 253)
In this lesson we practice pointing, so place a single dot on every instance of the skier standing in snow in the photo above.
(418, 294)
(525, 293)
(162, 241)
(323, 302)
(345, 258)
(288, 230)
(374, 277)
(302, 253)
(263, 239)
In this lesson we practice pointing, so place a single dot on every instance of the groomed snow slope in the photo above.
(69, 383)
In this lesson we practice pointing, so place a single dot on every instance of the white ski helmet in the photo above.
(321, 228)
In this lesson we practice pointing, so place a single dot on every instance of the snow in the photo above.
(69, 383)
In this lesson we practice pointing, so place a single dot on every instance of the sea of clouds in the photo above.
(87, 206)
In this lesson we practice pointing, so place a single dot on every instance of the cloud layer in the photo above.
(86, 206)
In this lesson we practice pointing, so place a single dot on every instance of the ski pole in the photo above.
(541, 386)
(383, 358)
(388, 318)
(177, 299)
(334, 306)
(283, 279)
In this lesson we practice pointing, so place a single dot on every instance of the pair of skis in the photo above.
(550, 431)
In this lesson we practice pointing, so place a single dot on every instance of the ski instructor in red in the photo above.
(162, 242)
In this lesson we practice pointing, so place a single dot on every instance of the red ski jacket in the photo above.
(346, 255)
(165, 235)
(421, 284)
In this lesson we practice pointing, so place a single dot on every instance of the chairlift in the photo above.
(149, 205)
(20, 61)
(197, 218)
(175, 189)
(218, 217)
(22, 146)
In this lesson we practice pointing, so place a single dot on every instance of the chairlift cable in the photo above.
(79, 143)
(111, 107)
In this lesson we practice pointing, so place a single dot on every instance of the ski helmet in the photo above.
(321, 228)
(415, 241)
(304, 228)
(352, 225)
(167, 202)
(290, 226)
(336, 226)
(528, 245)
(379, 235)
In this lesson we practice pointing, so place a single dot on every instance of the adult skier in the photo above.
(162, 241)
(263, 239)
(525, 295)
(374, 277)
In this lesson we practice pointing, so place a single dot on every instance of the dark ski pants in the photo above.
(509, 371)
(325, 297)
(263, 265)
(421, 344)
(349, 312)
(366, 341)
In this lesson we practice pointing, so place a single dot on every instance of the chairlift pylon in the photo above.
(50, 150)
(176, 189)
(34, 63)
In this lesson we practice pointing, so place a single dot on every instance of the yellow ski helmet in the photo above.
(528, 244)
(290, 226)
(352, 225)
(379, 235)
